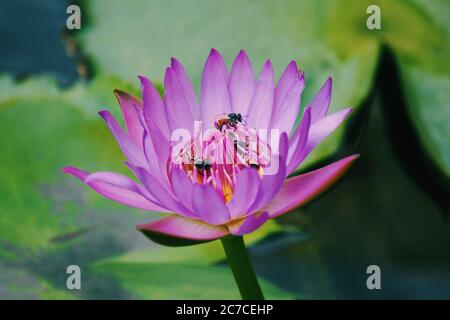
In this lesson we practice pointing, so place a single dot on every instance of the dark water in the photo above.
(31, 41)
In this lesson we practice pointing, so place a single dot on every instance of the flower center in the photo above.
(217, 155)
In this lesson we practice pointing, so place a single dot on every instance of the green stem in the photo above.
(242, 268)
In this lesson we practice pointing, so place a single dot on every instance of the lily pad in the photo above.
(180, 281)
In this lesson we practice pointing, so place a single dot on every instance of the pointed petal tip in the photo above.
(174, 62)
(143, 78)
(293, 65)
(67, 169)
(77, 173)
(242, 58)
(268, 63)
(140, 227)
(118, 92)
(214, 55)
(104, 114)
(242, 54)
(145, 82)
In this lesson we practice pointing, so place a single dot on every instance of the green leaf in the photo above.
(17, 283)
(417, 33)
(182, 272)
(408, 123)
(427, 96)
(179, 281)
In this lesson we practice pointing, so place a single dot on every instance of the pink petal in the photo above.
(321, 102)
(215, 96)
(287, 79)
(128, 105)
(270, 184)
(248, 224)
(161, 194)
(187, 87)
(241, 84)
(182, 187)
(157, 155)
(301, 189)
(157, 148)
(130, 149)
(208, 206)
(296, 152)
(246, 189)
(177, 106)
(116, 187)
(321, 129)
(287, 98)
(153, 107)
(261, 106)
(180, 227)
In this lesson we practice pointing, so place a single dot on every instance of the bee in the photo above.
(202, 164)
(230, 120)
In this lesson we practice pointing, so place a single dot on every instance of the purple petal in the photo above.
(287, 98)
(208, 206)
(130, 149)
(215, 96)
(321, 102)
(301, 189)
(321, 129)
(296, 152)
(157, 157)
(182, 187)
(241, 83)
(178, 110)
(129, 104)
(153, 107)
(161, 194)
(116, 187)
(157, 148)
(270, 184)
(286, 112)
(290, 75)
(245, 191)
(77, 173)
(261, 106)
(187, 87)
(248, 224)
(180, 227)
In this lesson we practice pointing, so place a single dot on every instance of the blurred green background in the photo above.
(390, 210)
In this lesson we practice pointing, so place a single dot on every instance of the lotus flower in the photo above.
(224, 177)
